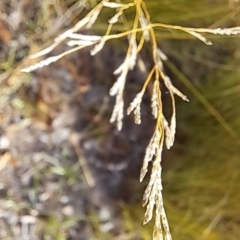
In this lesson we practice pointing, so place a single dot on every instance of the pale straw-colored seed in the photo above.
(157, 230)
(114, 113)
(112, 4)
(93, 18)
(127, 64)
(120, 115)
(79, 43)
(149, 153)
(117, 114)
(149, 210)
(62, 37)
(165, 225)
(168, 138)
(41, 64)
(137, 115)
(149, 200)
(170, 132)
(119, 83)
(98, 47)
(161, 55)
(154, 99)
(136, 101)
(150, 189)
(144, 170)
(151, 192)
(163, 217)
(133, 54)
(200, 37)
(144, 22)
(161, 211)
(83, 37)
(159, 63)
(82, 23)
(173, 89)
(115, 18)
(178, 93)
(121, 67)
(218, 31)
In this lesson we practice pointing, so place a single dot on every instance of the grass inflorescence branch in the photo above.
(143, 29)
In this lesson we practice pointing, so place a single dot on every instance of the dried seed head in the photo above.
(78, 26)
(137, 115)
(200, 37)
(120, 83)
(149, 153)
(117, 114)
(133, 53)
(136, 102)
(89, 38)
(93, 18)
(224, 31)
(173, 89)
(112, 4)
(79, 43)
(115, 18)
(144, 22)
(170, 131)
(97, 48)
(41, 64)
(153, 188)
(161, 55)
(154, 99)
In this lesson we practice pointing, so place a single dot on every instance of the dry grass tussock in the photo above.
(141, 32)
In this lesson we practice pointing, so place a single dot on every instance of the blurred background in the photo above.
(67, 173)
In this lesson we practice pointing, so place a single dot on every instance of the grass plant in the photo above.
(141, 29)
